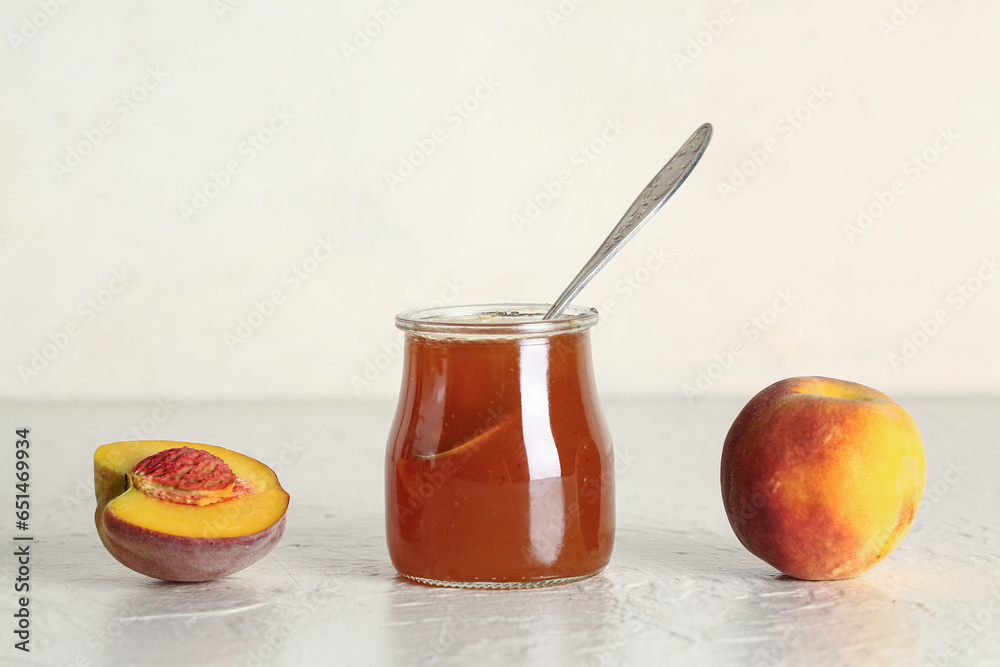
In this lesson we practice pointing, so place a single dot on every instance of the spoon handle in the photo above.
(649, 201)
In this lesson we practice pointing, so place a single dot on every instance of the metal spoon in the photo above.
(649, 201)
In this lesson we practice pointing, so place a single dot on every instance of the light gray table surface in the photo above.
(680, 588)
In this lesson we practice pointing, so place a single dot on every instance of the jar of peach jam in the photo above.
(499, 467)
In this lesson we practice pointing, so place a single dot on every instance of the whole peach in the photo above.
(821, 478)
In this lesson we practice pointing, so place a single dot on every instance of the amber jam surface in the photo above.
(499, 467)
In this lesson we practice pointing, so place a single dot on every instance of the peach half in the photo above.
(185, 512)
(821, 478)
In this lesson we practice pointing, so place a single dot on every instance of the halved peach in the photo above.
(185, 512)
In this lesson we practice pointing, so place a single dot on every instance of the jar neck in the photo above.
(494, 322)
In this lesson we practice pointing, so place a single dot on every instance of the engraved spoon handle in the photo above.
(649, 201)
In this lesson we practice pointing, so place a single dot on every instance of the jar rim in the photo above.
(495, 320)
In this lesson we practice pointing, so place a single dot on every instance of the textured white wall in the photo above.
(277, 135)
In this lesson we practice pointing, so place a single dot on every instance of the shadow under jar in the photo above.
(499, 466)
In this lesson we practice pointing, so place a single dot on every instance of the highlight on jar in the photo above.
(499, 469)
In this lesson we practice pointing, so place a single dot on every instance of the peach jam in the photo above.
(499, 467)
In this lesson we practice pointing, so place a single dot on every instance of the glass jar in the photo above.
(499, 467)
